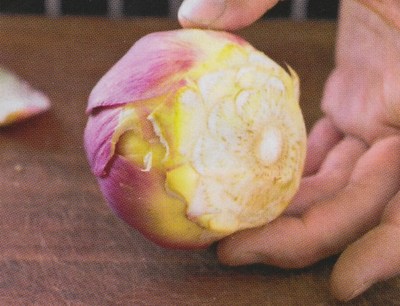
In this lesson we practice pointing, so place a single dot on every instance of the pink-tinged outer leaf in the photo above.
(144, 71)
(154, 66)
(18, 100)
(98, 138)
(130, 193)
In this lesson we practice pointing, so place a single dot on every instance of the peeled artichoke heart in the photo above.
(226, 138)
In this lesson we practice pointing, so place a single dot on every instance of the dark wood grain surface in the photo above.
(59, 242)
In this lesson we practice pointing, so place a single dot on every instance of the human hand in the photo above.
(349, 199)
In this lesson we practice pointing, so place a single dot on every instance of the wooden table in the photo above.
(59, 242)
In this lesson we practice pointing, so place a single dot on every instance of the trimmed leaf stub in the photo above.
(194, 135)
(18, 100)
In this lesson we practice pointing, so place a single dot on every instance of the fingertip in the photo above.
(373, 258)
(184, 22)
(234, 251)
(187, 23)
(200, 13)
(345, 284)
(346, 294)
(351, 276)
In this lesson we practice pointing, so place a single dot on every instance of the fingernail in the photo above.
(202, 12)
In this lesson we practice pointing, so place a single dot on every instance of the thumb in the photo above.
(222, 14)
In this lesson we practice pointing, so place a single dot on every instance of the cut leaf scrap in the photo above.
(18, 100)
